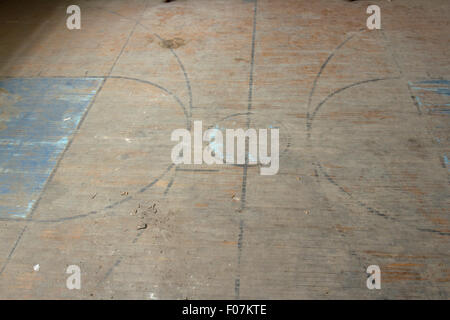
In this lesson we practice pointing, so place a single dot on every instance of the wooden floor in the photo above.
(364, 145)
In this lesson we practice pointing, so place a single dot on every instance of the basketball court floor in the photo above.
(87, 177)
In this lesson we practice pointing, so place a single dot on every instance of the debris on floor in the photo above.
(172, 43)
(142, 226)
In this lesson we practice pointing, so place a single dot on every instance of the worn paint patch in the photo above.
(432, 95)
(446, 162)
(37, 118)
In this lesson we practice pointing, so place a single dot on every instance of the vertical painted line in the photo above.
(237, 282)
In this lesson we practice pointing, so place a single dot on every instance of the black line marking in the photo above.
(323, 66)
(5, 264)
(30, 216)
(309, 122)
(236, 115)
(119, 260)
(249, 108)
(188, 84)
(183, 69)
(186, 113)
(180, 63)
(170, 184)
(394, 58)
(414, 98)
(435, 231)
(157, 179)
(287, 134)
(310, 119)
(369, 208)
(110, 270)
(67, 146)
(333, 182)
(123, 48)
(177, 99)
(237, 283)
(139, 234)
(252, 65)
(237, 287)
(61, 156)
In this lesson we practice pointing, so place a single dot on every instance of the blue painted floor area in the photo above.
(432, 95)
(37, 118)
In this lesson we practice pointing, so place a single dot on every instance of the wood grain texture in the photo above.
(363, 176)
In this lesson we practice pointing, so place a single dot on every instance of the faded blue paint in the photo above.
(37, 117)
(423, 94)
(446, 162)
(439, 90)
(445, 111)
(435, 81)
(419, 102)
(432, 95)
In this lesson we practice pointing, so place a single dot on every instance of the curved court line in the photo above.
(186, 76)
(186, 113)
(90, 213)
(360, 203)
(180, 63)
(319, 165)
(31, 219)
(332, 181)
(5, 264)
(335, 183)
(370, 209)
(323, 66)
(309, 120)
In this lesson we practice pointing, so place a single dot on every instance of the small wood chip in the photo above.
(142, 226)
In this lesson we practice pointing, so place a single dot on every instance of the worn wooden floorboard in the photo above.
(364, 146)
